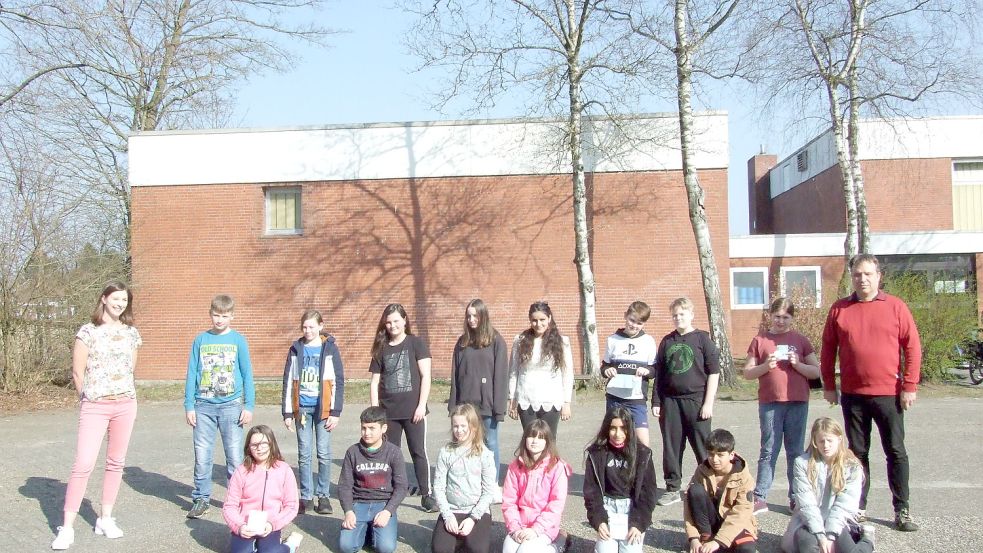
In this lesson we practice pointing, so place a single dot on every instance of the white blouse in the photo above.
(536, 384)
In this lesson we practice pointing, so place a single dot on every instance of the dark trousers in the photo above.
(680, 421)
(886, 412)
(416, 440)
(807, 542)
(552, 418)
(478, 541)
(269, 544)
(707, 519)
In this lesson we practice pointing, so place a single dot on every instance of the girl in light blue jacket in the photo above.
(826, 486)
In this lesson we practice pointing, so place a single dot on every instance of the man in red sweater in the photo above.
(869, 330)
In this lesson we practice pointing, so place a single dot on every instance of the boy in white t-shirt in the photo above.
(628, 364)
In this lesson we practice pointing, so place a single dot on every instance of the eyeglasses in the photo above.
(259, 445)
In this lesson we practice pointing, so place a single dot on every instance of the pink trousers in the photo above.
(95, 419)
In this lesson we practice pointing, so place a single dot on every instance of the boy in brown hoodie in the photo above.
(718, 504)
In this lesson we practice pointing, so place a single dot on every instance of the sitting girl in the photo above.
(826, 488)
(463, 485)
(535, 493)
(619, 485)
(262, 497)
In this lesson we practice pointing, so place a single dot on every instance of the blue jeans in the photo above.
(491, 439)
(383, 539)
(211, 418)
(780, 421)
(312, 429)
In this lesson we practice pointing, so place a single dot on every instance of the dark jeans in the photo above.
(886, 412)
(680, 421)
(269, 544)
(478, 541)
(416, 439)
(807, 542)
(552, 418)
(707, 519)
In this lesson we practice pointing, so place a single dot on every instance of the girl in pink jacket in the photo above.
(534, 494)
(262, 497)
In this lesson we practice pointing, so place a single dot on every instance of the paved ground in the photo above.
(943, 439)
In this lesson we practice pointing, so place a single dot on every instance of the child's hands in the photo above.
(656, 410)
(245, 417)
(245, 532)
(513, 410)
(706, 411)
(465, 527)
(330, 423)
(793, 358)
(711, 546)
(450, 524)
(565, 412)
(349, 522)
(634, 536)
(610, 372)
(694, 545)
(520, 536)
(420, 413)
(772, 362)
(641, 371)
(381, 519)
(602, 532)
(267, 529)
(191, 417)
(289, 423)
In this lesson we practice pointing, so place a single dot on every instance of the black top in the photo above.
(480, 376)
(616, 484)
(683, 364)
(399, 387)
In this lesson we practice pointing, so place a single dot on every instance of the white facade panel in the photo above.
(831, 244)
(420, 150)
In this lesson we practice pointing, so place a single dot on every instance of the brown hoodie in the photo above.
(736, 506)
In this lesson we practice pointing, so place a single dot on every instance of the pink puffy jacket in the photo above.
(535, 498)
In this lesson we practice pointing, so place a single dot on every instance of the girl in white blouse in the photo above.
(540, 371)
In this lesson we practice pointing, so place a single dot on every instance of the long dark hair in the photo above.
(552, 347)
(381, 335)
(275, 455)
(538, 428)
(126, 317)
(630, 451)
(480, 337)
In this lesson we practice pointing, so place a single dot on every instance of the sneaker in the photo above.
(323, 506)
(564, 540)
(305, 505)
(64, 539)
(293, 541)
(198, 508)
(668, 498)
(903, 521)
(869, 533)
(861, 516)
(760, 507)
(106, 526)
(428, 503)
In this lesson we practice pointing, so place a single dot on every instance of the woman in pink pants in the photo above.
(103, 358)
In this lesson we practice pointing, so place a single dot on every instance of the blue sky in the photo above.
(366, 76)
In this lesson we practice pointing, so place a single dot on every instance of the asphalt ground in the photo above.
(944, 444)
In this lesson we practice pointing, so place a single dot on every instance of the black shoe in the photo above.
(903, 522)
(324, 506)
(305, 505)
(428, 503)
(198, 508)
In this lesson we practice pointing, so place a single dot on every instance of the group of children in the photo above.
(620, 481)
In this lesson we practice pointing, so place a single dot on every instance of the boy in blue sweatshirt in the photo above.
(219, 396)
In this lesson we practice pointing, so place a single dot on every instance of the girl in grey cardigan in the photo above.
(826, 489)
(463, 486)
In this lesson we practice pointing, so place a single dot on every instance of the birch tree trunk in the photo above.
(695, 197)
(856, 173)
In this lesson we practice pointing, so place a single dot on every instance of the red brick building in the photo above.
(346, 219)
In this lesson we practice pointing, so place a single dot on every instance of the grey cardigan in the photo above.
(464, 483)
(818, 508)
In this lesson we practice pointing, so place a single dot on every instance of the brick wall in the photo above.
(430, 244)
(902, 195)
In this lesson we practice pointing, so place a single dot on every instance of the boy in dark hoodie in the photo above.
(718, 506)
(371, 486)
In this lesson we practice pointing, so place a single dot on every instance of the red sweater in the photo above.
(869, 337)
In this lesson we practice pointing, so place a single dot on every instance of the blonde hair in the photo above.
(469, 413)
(683, 302)
(841, 459)
(223, 304)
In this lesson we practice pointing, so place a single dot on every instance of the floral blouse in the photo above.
(109, 368)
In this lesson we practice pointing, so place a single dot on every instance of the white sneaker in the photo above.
(293, 541)
(64, 539)
(870, 533)
(106, 526)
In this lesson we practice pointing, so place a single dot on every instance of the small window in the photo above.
(283, 211)
(749, 288)
(803, 285)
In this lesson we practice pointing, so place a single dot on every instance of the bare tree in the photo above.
(687, 29)
(564, 58)
(153, 65)
(884, 58)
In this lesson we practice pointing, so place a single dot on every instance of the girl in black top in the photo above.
(619, 485)
(401, 384)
